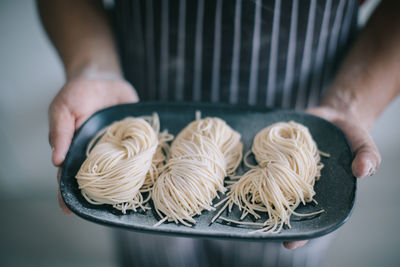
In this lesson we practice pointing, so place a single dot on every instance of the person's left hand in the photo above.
(366, 155)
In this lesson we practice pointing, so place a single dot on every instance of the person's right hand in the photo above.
(77, 100)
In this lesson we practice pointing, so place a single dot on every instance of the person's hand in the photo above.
(366, 155)
(77, 100)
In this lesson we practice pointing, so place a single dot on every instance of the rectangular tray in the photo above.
(335, 191)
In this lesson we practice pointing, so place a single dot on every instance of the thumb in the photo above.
(62, 127)
(366, 155)
(367, 158)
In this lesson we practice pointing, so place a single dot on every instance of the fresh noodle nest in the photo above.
(288, 166)
(200, 158)
(123, 164)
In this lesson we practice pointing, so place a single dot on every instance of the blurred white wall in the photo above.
(30, 75)
(34, 232)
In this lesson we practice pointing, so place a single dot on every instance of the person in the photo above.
(304, 55)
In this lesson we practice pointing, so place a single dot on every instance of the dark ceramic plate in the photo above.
(335, 191)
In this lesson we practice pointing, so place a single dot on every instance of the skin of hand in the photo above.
(76, 101)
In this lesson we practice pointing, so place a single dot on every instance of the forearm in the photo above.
(80, 31)
(369, 77)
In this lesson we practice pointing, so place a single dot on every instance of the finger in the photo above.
(366, 155)
(366, 161)
(61, 202)
(62, 127)
(294, 244)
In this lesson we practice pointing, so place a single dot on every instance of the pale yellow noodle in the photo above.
(124, 163)
(200, 157)
(288, 166)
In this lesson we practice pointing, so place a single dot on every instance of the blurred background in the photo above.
(34, 231)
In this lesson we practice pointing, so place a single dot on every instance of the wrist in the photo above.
(88, 69)
(93, 72)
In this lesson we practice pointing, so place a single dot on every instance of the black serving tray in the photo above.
(335, 191)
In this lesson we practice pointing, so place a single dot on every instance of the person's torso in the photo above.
(274, 53)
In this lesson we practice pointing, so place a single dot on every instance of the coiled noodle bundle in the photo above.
(123, 164)
(288, 166)
(200, 157)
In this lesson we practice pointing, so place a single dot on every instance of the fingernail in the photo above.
(370, 169)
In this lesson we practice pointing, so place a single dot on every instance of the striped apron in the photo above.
(255, 52)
